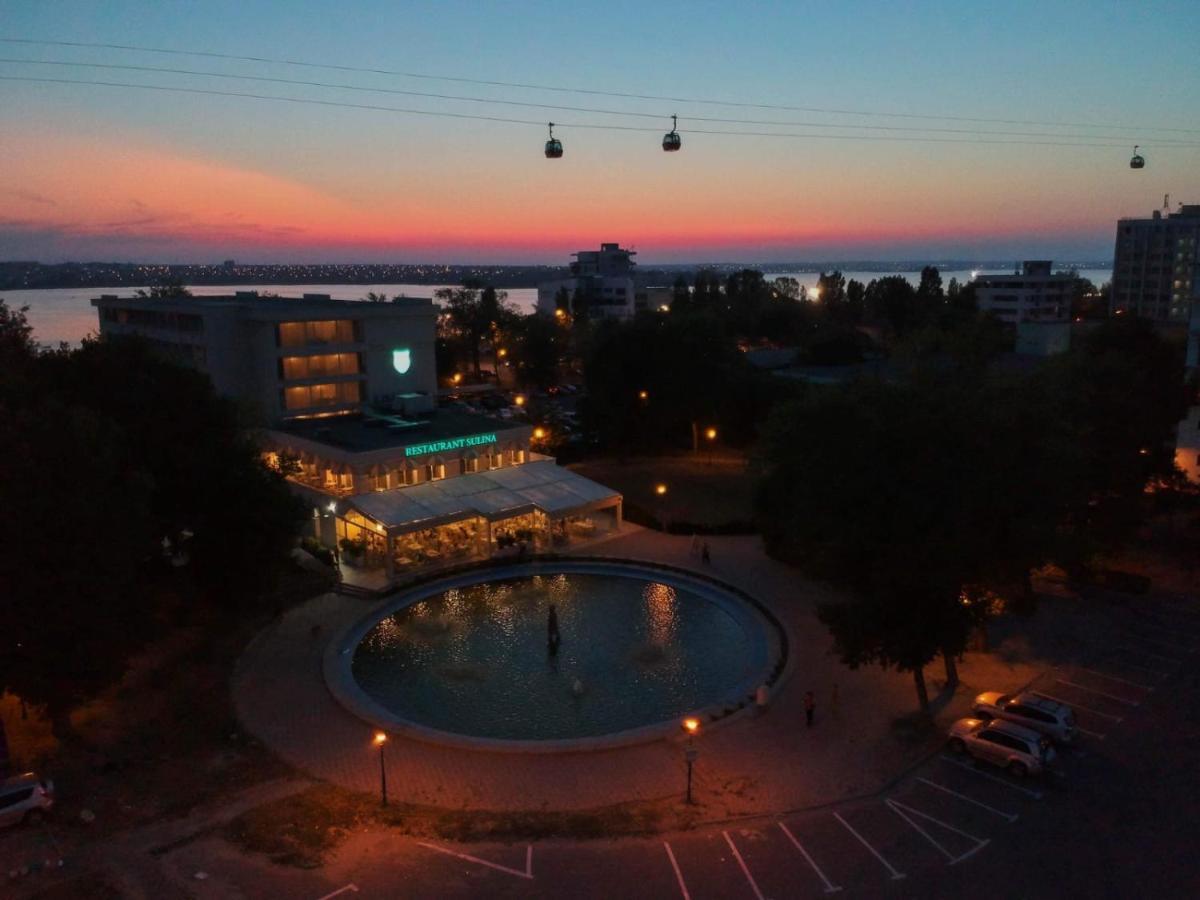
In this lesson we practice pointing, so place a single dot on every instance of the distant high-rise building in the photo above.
(1154, 265)
(603, 279)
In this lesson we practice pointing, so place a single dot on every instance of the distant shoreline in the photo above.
(26, 276)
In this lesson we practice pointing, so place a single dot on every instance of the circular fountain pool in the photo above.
(468, 659)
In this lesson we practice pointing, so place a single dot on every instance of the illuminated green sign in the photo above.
(402, 360)
(453, 444)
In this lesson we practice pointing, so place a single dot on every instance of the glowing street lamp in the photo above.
(456, 377)
(710, 433)
(643, 396)
(660, 489)
(560, 314)
(691, 725)
(519, 399)
(380, 740)
(539, 433)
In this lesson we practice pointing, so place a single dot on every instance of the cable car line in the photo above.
(588, 125)
(584, 109)
(593, 92)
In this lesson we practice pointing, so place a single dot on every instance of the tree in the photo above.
(1119, 396)
(892, 303)
(831, 292)
(785, 288)
(686, 365)
(109, 450)
(908, 497)
(540, 345)
(168, 290)
(930, 287)
(474, 317)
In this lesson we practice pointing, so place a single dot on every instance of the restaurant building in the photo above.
(346, 393)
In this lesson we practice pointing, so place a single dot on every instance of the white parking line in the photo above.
(980, 843)
(1122, 650)
(1136, 684)
(742, 863)
(1097, 735)
(1159, 642)
(896, 876)
(1170, 628)
(678, 875)
(1104, 694)
(1074, 705)
(830, 887)
(1174, 660)
(348, 889)
(528, 873)
(1036, 795)
(1011, 817)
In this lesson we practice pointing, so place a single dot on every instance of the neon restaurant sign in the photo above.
(454, 444)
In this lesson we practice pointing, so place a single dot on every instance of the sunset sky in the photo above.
(101, 172)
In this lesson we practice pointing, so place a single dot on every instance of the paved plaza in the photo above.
(749, 765)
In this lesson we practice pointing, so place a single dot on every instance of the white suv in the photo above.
(1021, 751)
(1031, 710)
(25, 798)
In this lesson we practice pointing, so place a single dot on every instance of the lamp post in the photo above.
(380, 740)
(710, 435)
(692, 726)
(660, 490)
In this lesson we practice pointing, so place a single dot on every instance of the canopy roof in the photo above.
(496, 494)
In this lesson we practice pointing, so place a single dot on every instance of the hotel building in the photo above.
(346, 393)
(1154, 265)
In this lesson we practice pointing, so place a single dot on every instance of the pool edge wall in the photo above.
(341, 684)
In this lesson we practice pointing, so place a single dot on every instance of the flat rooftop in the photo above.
(251, 301)
(361, 433)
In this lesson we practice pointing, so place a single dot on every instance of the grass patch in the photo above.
(301, 830)
(616, 821)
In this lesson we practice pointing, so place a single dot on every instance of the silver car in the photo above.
(25, 798)
(1013, 747)
(1031, 710)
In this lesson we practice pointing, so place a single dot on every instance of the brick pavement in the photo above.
(755, 764)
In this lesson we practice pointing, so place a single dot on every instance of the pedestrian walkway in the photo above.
(749, 765)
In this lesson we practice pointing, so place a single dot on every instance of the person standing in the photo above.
(810, 706)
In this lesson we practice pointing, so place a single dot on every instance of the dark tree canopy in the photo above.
(107, 451)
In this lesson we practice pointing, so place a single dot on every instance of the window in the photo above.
(296, 367)
(319, 395)
(306, 334)
(470, 464)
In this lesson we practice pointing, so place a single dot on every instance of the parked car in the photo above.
(25, 798)
(1050, 717)
(1013, 747)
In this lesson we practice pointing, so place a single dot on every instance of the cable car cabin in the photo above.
(671, 140)
(1137, 162)
(553, 146)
